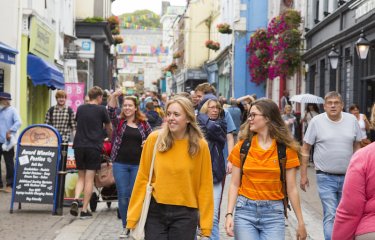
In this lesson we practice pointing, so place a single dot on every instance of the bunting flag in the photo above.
(127, 25)
(141, 17)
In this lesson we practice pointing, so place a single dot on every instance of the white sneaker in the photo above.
(124, 234)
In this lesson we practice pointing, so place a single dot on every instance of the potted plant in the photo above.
(212, 45)
(224, 28)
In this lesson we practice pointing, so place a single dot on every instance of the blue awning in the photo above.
(42, 72)
(7, 54)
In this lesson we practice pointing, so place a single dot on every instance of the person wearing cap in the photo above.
(10, 123)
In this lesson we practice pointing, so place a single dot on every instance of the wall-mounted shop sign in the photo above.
(42, 40)
(364, 8)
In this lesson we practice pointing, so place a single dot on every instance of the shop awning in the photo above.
(42, 72)
(7, 54)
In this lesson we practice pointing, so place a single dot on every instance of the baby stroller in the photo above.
(101, 193)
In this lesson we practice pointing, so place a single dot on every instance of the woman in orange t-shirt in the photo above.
(257, 195)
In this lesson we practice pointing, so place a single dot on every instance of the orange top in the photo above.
(261, 172)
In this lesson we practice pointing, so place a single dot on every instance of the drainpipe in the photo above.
(282, 86)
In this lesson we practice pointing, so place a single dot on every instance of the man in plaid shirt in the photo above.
(62, 117)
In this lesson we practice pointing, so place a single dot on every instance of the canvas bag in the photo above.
(104, 176)
(138, 233)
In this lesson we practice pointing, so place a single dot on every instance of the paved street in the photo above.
(36, 221)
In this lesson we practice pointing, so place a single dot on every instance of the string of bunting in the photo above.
(142, 17)
(135, 26)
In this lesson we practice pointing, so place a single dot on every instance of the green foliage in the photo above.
(93, 19)
(144, 18)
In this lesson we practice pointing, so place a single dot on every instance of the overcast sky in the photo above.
(127, 6)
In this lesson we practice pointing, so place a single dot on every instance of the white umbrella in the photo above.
(307, 98)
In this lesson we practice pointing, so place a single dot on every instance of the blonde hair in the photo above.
(287, 107)
(204, 108)
(276, 126)
(372, 117)
(194, 133)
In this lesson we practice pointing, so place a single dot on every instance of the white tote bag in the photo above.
(138, 233)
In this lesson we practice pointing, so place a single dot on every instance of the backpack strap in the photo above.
(245, 147)
(50, 112)
(70, 112)
(281, 152)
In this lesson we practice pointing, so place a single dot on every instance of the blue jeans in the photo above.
(218, 188)
(259, 220)
(330, 192)
(124, 175)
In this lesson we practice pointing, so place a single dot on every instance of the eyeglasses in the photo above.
(251, 116)
(335, 103)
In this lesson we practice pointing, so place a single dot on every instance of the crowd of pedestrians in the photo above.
(195, 140)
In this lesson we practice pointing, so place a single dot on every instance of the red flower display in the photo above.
(275, 51)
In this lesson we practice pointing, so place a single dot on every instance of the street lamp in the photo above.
(333, 57)
(362, 46)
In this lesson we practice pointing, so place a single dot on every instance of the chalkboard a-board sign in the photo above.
(36, 174)
(37, 162)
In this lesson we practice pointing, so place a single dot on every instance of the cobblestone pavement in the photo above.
(36, 221)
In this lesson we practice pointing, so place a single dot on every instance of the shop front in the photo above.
(336, 61)
(42, 73)
(7, 62)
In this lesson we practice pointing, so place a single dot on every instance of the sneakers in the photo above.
(125, 233)
(86, 215)
(74, 208)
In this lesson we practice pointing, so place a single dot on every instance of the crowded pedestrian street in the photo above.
(36, 222)
(187, 120)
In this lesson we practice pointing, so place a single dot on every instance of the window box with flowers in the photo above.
(212, 45)
(224, 28)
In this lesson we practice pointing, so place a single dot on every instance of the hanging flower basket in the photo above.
(118, 39)
(224, 28)
(212, 45)
(275, 51)
(177, 55)
(171, 67)
(113, 22)
(116, 31)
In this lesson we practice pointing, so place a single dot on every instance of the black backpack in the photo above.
(281, 152)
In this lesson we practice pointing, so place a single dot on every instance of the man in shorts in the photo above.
(88, 142)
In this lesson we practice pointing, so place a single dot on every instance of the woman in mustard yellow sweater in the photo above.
(182, 178)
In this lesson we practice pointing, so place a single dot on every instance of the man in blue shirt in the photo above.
(10, 123)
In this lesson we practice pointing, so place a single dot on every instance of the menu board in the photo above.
(36, 174)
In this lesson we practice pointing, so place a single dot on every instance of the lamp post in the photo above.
(362, 46)
(333, 57)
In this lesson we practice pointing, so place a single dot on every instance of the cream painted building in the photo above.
(91, 8)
